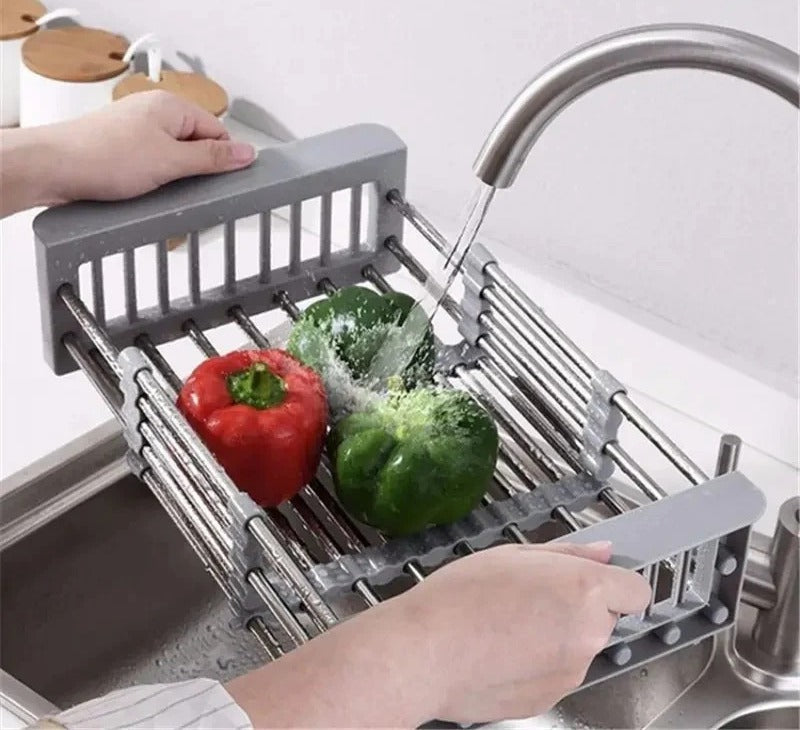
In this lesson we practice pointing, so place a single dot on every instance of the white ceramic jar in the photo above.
(68, 72)
(19, 19)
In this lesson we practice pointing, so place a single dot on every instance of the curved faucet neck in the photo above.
(711, 48)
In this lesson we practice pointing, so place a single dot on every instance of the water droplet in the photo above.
(643, 672)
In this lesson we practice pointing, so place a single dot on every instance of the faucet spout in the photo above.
(646, 48)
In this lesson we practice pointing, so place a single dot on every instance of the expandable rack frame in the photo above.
(283, 570)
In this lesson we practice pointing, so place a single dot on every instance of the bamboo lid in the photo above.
(75, 54)
(18, 18)
(199, 89)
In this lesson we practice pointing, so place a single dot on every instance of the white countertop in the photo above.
(41, 412)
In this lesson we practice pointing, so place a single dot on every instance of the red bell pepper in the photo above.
(263, 415)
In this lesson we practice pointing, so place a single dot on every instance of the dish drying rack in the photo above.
(285, 571)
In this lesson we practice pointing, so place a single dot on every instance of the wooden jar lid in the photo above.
(199, 89)
(75, 54)
(18, 18)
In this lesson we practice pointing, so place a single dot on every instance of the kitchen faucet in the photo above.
(630, 51)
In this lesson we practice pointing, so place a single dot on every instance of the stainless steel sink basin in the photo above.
(767, 718)
(110, 594)
(99, 590)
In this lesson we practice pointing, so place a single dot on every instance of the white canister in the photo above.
(17, 22)
(68, 72)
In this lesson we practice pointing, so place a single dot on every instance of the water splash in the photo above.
(402, 342)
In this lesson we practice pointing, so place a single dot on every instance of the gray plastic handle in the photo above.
(286, 175)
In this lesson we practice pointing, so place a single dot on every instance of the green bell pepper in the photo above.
(352, 325)
(414, 459)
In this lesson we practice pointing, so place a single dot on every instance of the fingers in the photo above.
(200, 124)
(599, 552)
(626, 591)
(208, 156)
(181, 119)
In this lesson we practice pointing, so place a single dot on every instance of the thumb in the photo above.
(599, 552)
(209, 156)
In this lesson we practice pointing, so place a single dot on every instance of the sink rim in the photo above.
(756, 708)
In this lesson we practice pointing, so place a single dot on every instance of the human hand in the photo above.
(502, 634)
(135, 145)
(512, 630)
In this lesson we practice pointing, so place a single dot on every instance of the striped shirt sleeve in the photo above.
(196, 703)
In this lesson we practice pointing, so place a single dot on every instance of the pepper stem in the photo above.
(257, 386)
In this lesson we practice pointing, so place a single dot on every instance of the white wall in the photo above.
(673, 195)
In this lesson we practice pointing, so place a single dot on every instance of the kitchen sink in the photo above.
(110, 594)
(787, 716)
(100, 590)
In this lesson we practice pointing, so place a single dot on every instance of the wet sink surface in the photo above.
(108, 595)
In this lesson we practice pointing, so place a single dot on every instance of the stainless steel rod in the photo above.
(477, 391)
(316, 498)
(414, 569)
(565, 399)
(500, 380)
(154, 457)
(563, 415)
(419, 221)
(113, 399)
(318, 610)
(265, 638)
(419, 272)
(145, 344)
(195, 481)
(198, 337)
(249, 328)
(728, 455)
(659, 439)
(89, 325)
(567, 518)
(287, 620)
(626, 406)
(161, 493)
(565, 367)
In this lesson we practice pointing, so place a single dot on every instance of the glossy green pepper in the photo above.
(414, 459)
(352, 324)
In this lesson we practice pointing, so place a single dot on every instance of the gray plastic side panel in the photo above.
(483, 527)
(658, 530)
(721, 510)
(69, 236)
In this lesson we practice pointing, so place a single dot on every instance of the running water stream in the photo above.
(402, 342)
